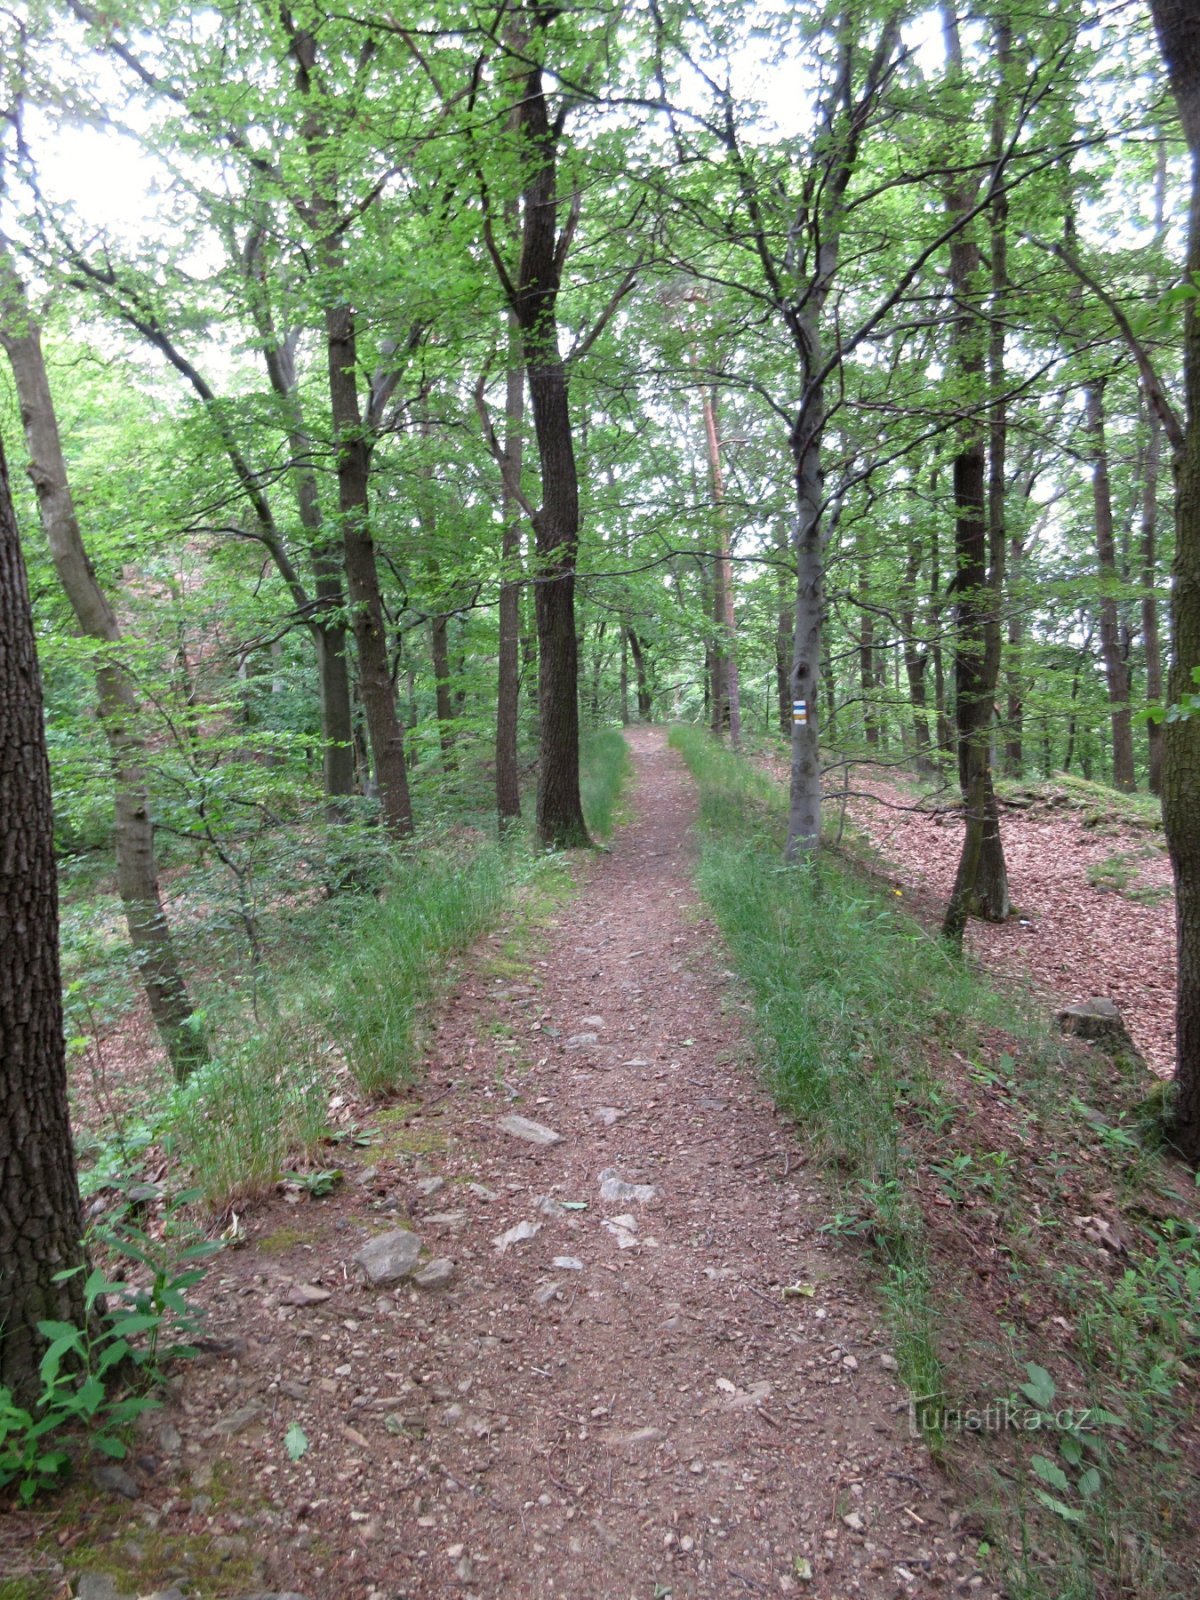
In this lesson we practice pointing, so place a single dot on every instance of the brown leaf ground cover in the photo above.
(1094, 910)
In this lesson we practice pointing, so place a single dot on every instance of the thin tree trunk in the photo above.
(866, 664)
(624, 676)
(916, 661)
(328, 631)
(645, 702)
(784, 622)
(1115, 671)
(439, 650)
(40, 1222)
(1150, 633)
(726, 647)
(353, 461)
(133, 830)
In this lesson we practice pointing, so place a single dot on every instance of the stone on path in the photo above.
(306, 1294)
(436, 1275)
(113, 1479)
(623, 1230)
(567, 1263)
(615, 1188)
(609, 1114)
(518, 1234)
(530, 1132)
(389, 1257)
(591, 1022)
(581, 1041)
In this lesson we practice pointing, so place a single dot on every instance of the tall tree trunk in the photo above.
(133, 830)
(534, 298)
(784, 622)
(991, 879)
(1150, 633)
(978, 887)
(916, 660)
(328, 630)
(1115, 671)
(353, 457)
(804, 807)
(439, 650)
(508, 783)
(362, 573)
(729, 700)
(624, 675)
(866, 663)
(1014, 754)
(1178, 26)
(40, 1222)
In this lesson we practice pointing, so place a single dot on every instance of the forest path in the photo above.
(655, 1417)
(622, 1406)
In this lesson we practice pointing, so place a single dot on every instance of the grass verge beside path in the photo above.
(604, 768)
(1039, 1259)
(364, 975)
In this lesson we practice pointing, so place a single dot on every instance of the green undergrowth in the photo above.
(847, 991)
(604, 767)
(365, 970)
(1038, 1254)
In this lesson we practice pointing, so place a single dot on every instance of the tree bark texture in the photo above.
(353, 455)
(133, 830)
(362, 573)
(1177, 23)
(1150, 633)
(328, 631)
(981, 882)
(40, 1222)
(560, 821)
(508, 785)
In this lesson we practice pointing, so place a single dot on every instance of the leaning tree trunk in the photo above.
(133, 830)
(40, 1222)
(1178, 25)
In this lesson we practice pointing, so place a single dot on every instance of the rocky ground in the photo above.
(624, 1362)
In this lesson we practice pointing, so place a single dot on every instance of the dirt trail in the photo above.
(651, 1415)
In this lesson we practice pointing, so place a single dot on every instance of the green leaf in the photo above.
(110, 1446)
(1040, 1387)
(1050, 1472)
(1090, 1483)
(295, 1442)
(1067, 1513)
(1071, 1450)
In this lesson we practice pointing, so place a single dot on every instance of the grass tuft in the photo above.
(604, 767)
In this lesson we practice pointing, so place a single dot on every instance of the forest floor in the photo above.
(1093, 905)
(679, 1390)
